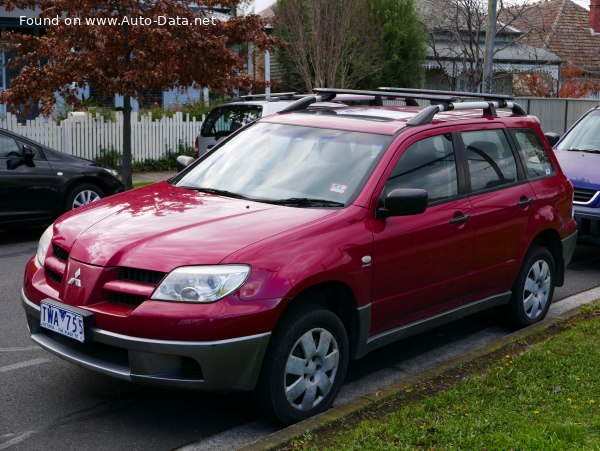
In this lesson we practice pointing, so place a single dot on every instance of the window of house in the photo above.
(428, 164)
(490, 159)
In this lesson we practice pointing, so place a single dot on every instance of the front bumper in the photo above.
(588, 221)
(224, 365)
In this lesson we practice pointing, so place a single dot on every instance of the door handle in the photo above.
(524, 201)
(459, 218)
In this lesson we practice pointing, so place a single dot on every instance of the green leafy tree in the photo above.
(403, 43)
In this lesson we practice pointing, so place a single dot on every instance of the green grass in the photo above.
(546, 398)
(140, 184)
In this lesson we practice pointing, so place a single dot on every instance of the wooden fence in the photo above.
(83, 135)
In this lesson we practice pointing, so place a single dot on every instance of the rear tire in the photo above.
(533, 289)
(305, 365)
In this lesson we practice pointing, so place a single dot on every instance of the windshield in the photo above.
(289, 165)
(224, 120)
(584, 136)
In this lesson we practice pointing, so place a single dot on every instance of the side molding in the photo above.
(367, 344)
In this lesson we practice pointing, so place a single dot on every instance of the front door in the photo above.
(26, 193)
(422, 262)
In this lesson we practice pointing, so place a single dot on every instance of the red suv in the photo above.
(307, 239)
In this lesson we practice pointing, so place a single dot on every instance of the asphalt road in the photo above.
(46, 403)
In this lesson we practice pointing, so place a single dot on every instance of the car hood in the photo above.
(161, 226)
(580, 166)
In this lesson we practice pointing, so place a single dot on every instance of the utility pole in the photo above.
(490, 38)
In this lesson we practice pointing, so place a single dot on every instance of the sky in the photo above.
(259, 5)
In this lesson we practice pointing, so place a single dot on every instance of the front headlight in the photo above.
(44, 244)
(112, 172)
(201, 283)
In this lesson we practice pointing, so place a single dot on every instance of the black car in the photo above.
(37, 183)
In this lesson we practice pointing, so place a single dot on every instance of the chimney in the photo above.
(595, 15)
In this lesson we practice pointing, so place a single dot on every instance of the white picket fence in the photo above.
(83, 135)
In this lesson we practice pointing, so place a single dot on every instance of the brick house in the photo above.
(456, 43)
(573, 33)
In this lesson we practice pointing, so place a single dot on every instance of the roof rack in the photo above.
(489, 109)
(274, 96)
(475, 95)
(410, 98)
(440, 100)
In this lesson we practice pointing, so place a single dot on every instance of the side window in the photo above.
(9, 147)
(536, 160)
(490, 158)
(428, 164)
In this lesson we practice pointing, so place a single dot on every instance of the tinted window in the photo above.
(491, 161)
(428, 164)
(225, 120)
(536, 160)
(9, 147)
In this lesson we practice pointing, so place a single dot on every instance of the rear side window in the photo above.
(227, 119)
(535, 159)
(490, 158)
(428, 164)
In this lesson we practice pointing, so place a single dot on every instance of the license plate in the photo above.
(62, 321)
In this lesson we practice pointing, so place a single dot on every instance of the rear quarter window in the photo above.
(536, 161)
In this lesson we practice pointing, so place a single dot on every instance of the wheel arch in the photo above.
(72, 183)
(551, 240)
(337, 297)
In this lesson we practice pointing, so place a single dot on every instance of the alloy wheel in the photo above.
(537, 289)
(311, 369)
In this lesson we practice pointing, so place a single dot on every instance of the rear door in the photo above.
(422, 263)
(26, 193)
(503, 204)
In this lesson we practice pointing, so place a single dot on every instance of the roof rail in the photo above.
(475, 95)
(274, 95)
(298, 105)
(489, 109)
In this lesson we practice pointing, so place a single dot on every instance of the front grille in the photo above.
(583, 196)
(128, 299)
(60, 253)
(54, 276)
(141, 276)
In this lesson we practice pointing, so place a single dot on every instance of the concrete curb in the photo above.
(572, 306)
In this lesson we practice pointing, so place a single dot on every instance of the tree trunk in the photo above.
(127, 178)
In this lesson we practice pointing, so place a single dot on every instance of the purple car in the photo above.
(578, 152)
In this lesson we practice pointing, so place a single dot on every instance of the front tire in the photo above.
(83, 194)
(533, 289)
(305, 366)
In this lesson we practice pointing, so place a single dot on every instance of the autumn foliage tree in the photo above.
(575, 83)
(151, 45)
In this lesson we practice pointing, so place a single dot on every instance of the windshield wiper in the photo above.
(306, 202)
(219, 192)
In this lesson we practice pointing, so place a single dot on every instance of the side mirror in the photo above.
(182, 162)
(28, 154)
(404, 202)
(552, 138)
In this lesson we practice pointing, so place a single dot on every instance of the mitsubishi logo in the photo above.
(75, 280)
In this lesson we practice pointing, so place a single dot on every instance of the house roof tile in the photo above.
(562, 27)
